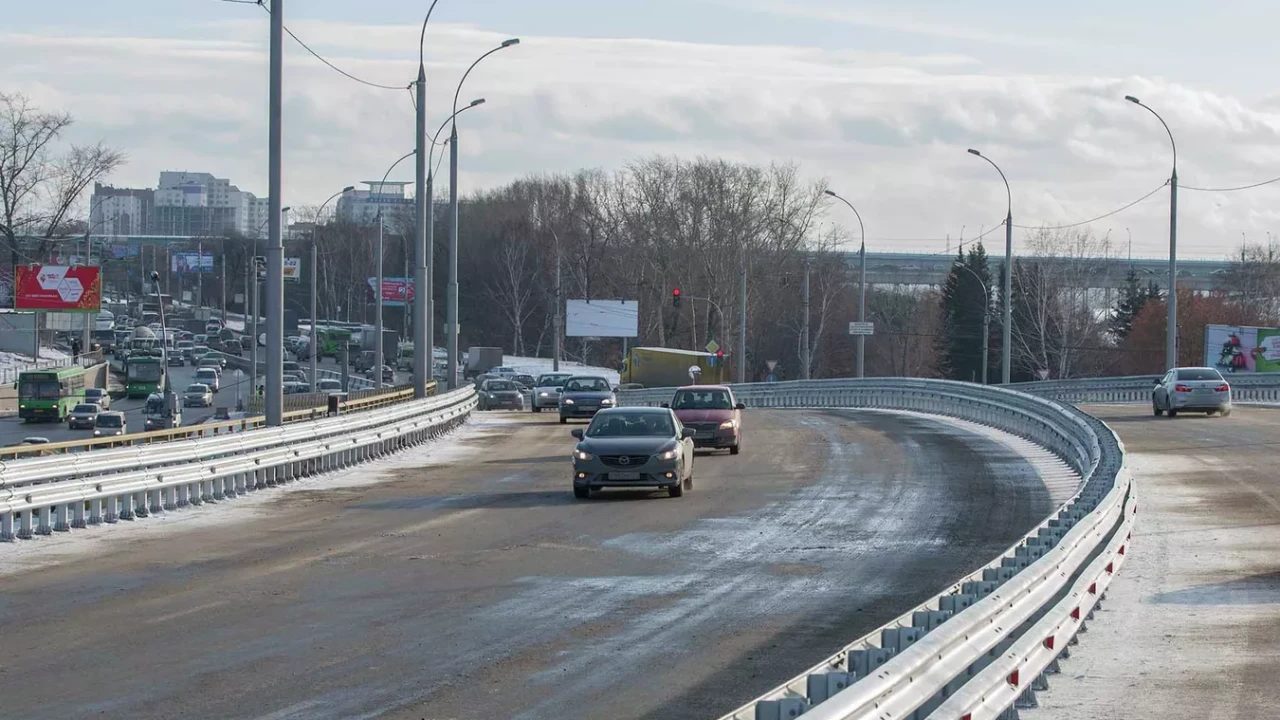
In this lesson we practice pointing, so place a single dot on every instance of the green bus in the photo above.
(331, 341)
(49, 394)
(143, 375)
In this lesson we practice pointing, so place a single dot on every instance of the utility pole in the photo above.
(199, 274)
(451, 319)
(251, 302)
(314, 345)
(422, 345)
(428, 290)
(742, 322)
(559, 322)
(222, 295)
(804, 327)
(862, 306)
(377, 313)
(274, 401)
(1171, 329)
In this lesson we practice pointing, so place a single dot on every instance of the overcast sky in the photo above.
(880, 97)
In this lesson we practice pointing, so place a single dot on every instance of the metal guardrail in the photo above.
(985, 644)
(41, 496)
(9, 375)
(1252, 387)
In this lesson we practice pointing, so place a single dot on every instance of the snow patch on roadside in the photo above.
(46, 550)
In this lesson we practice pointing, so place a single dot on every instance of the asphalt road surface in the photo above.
(484, 590)
(1191, 624)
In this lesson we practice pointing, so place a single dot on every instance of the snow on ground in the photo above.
(11, 359)
(46, 550)
(537, 366)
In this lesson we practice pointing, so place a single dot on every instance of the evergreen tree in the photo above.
(964, 308)
(1132, 299)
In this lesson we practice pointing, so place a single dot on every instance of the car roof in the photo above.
(703, 388)
(634, 409)
(588, 377)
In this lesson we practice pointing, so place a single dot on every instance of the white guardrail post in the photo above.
(983, 646)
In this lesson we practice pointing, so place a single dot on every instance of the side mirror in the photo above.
(615, 389)
(576, 432)
(665, 405)
(740, 406)
(686, 433)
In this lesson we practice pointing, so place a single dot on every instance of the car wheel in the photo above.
(1155, 409)
(537, 409)
(1173, 413)
(734, 450)
(564, 420)
(1226, 413)
(676, 490)
(582, 493)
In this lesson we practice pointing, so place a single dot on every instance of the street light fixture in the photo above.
(1171, 327)
(451, 314)
(1006, 335)
(862, 281)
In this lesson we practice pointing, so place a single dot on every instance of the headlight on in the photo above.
(580, 455)
(728, 425)
(606, 401)
(668, 455)
(568, 401)
(96, 433)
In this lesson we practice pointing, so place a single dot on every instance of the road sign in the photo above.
(771, 364)
(1044, 374)
(862, 328)
(713, 346)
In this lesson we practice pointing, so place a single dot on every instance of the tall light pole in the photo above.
(451, 318)
(1171, 326)
(313, 346)
(862, 282)
(275, 243)
(986, 316)
(1006, 334)
(421, 202)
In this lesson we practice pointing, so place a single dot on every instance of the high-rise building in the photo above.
(120, 211)
(185, 204)
(361, 206)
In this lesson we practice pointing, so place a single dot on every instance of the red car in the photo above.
(713, 415)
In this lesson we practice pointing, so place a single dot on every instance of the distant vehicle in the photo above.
(294, 387)
(200, 339)
(197, 395)
(49, 394)
(35, 440)
(668, 367)
(633, 447)
(365, 360)
(197, 354)
(294, 377)
(713, 415)
(213, 358)
(546, 391)
(291, 366)
(329, 386)
(213, 326)
(500, 394)
(184, 348)
(207, 376)
(583, 396)
(404, 356)
(106, 320)
(483, 359)
(246, 343)
(502, 371)
(106, 339)
(388, 374)
(174, 359)
(99, 397)
(110, 424)
(83, 416)
(1199, 389)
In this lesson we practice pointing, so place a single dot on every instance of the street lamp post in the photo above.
(274, 391)
(1006, 333)
(986, 316)
(313, 345)
(1171, 326)
(451, 318)
(862, 281)
(422, 224)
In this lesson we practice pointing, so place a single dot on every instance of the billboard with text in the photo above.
(57, 288)
(396, 291)
(1242, 349)
(189, 262)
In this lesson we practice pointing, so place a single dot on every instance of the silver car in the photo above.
(546, 391)
(1197, 389)
(83, 416)
(633, 447)
(197, 395)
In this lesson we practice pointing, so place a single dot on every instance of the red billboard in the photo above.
(57, 288)
(396, 291)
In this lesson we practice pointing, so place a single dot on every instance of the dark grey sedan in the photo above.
(633, 447)
(583, 396)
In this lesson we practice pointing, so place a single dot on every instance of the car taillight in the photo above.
(1222, 388)
(1182, 388)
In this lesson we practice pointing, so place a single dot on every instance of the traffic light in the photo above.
(675, 297)
(720, 354)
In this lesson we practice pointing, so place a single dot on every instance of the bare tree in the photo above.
(39, 189)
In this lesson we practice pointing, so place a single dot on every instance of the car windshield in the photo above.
(85, 408)
(206, 374)
(552, 380)
(702, 400)
(94, 392)
(197, 388)
(1199, 374)
(109, 421)
(646, 424)
(587, 385)
(500, 385)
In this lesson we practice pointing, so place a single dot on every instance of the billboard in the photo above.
(189, 262)
(396, 291)
(1242, 349)
(292, 268)
(602, 318)
(57, 288)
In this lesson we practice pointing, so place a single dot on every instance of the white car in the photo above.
(1193, 389)
(208, 376)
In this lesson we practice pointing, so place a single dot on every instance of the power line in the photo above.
(1231, 189)
(1096, 219)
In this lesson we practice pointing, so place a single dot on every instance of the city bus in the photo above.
(49, 394)
(143, 375)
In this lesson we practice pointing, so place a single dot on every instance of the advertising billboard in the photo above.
(57, 288)
(292, 268)
(189, 262)
(1242, 349)
(396, 291)
(602, 318)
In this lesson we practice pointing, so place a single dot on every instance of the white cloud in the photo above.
(889, 129)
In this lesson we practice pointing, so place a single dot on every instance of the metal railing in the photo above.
(9, 375)
(46, 495)
(1252, 387)
(985, 644)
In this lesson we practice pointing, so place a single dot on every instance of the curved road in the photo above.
(484, 590)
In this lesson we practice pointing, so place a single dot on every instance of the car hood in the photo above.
(627, 445)
(548, 389)
(585, 395)
(698, 416)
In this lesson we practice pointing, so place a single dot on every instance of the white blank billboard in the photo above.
(602, 318)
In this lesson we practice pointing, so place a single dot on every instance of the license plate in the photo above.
(706, 434)
(624, 476)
